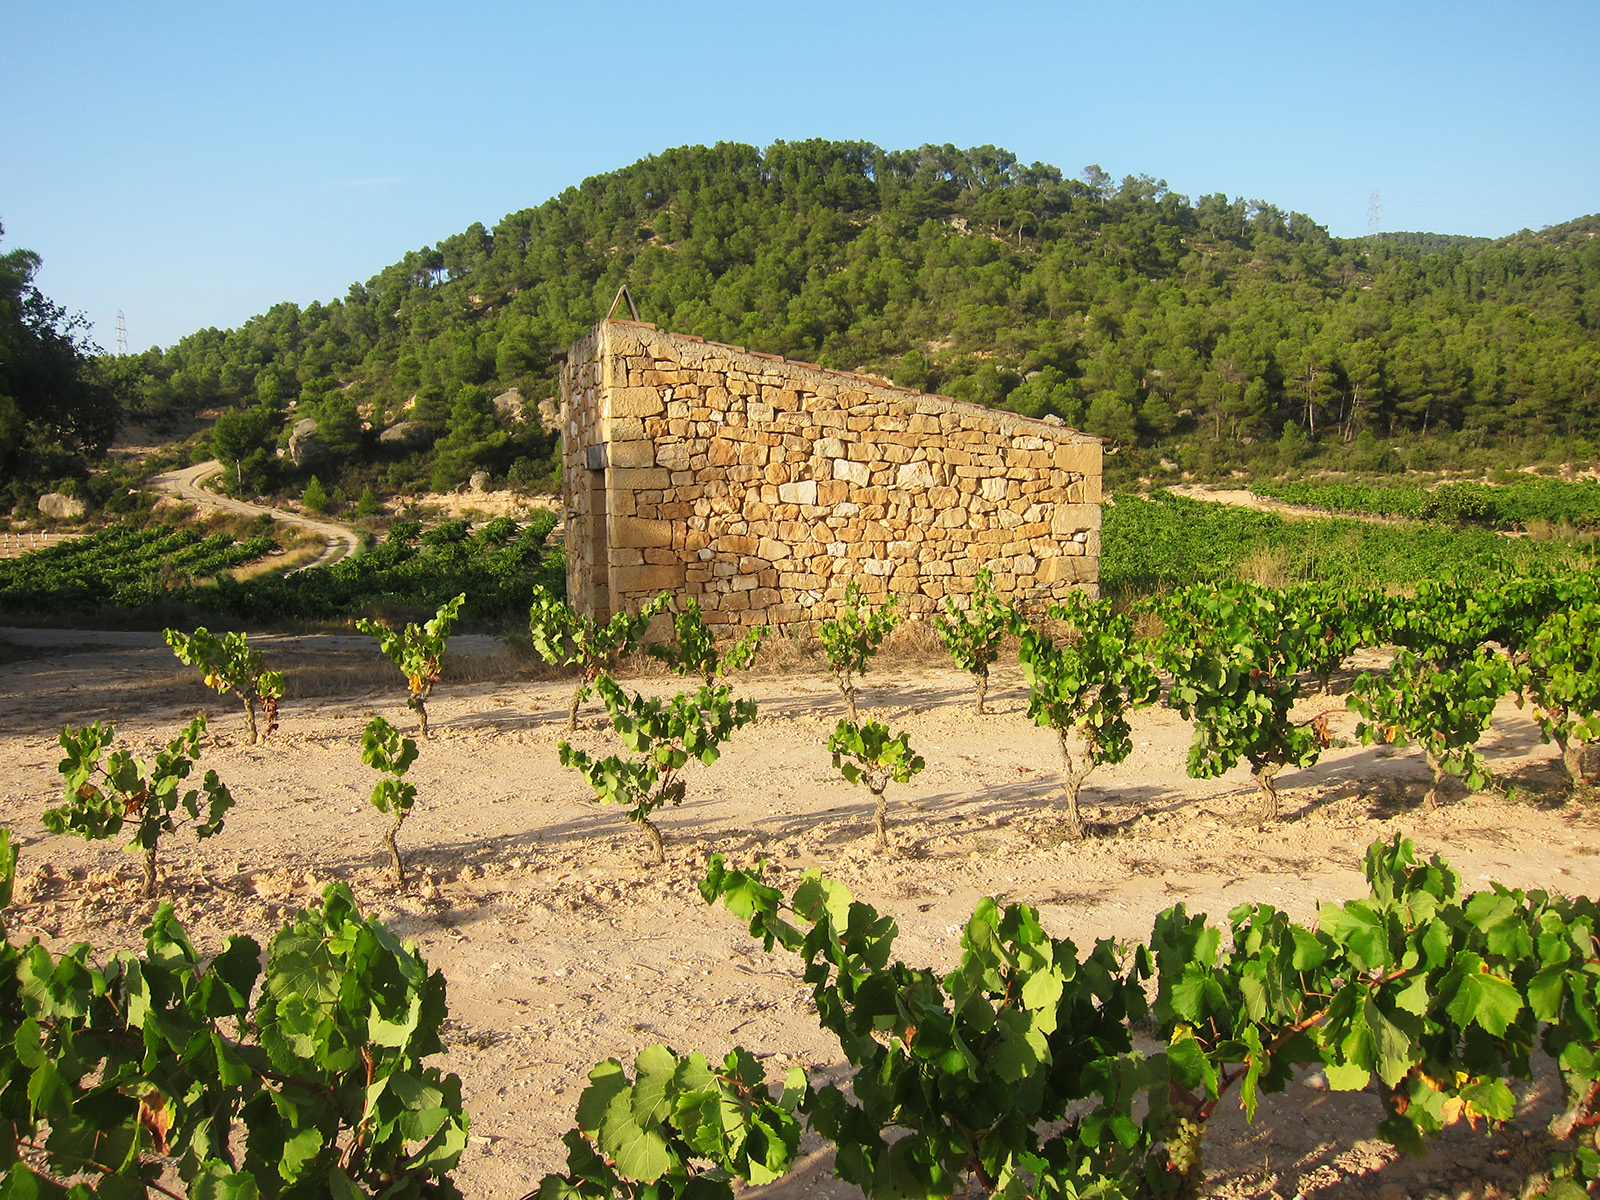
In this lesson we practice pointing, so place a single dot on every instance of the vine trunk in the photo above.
(390, 840)
(658, 848)
(1264, 773)
(1073, 773)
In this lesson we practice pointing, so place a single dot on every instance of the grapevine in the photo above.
(973, 634)
(661, 736)
(868, 754)
(418, 650)
(564, 637)
(230, 664)
(104, 792)
(851, 640)
(1084, 690)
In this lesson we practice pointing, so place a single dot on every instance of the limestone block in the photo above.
(625, 429)
(636, 531)
(877, 566)
(737, 544)
(804, 492)
(639, 478)
(1083, 458)
(636, 401)
(851, 472)
(632, 454)
(675, 456)
(832, 492)
(914, 475)
(829, 447)
(1069, 519)
(1067, 570)
(722, 453)
(660, 555)
(652, 578)
(773, 549)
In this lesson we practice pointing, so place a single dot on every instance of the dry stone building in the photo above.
(761, 486)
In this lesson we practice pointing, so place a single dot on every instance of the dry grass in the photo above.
(1267, 566)
(300, 550)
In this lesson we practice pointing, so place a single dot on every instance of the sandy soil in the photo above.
(563, 949)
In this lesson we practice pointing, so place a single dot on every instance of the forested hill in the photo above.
(1125, 308)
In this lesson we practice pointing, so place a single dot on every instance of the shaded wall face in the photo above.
(762, 488)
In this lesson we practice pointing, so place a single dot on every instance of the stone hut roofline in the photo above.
(1008, 422)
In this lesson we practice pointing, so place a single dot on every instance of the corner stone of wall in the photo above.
(762, 487)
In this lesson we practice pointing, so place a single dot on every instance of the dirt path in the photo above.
(562, 948)
(185, 483)
(1243, 498)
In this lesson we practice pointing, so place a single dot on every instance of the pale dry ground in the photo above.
(562, 948)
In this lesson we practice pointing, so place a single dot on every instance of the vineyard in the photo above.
(561, 950)
(162, 568)
(1518, 505)
(1161, 541)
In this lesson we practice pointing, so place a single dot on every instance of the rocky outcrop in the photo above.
(304, 446)
(509, 405)
(61, 507)
(407, 435)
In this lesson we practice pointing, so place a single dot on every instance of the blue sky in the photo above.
(192, 164)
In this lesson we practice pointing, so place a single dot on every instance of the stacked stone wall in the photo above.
(762, 487)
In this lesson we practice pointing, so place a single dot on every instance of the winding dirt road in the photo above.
(185, 484)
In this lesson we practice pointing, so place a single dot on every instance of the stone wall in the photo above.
(762, 486)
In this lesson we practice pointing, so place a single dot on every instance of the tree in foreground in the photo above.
(1236, 653)
(418, 650)
(661, 737)
(105, 791)
(868, 754)
(973, 634)
(230, 664)
(694, 648)
(1084, 690)
(563, 637)
(383, 749)
(852, 638)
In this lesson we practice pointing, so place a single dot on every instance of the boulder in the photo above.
(407, 435)
(479, 482)
(304, 447)
(550, 413)
(509, 405)
(61, 506)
